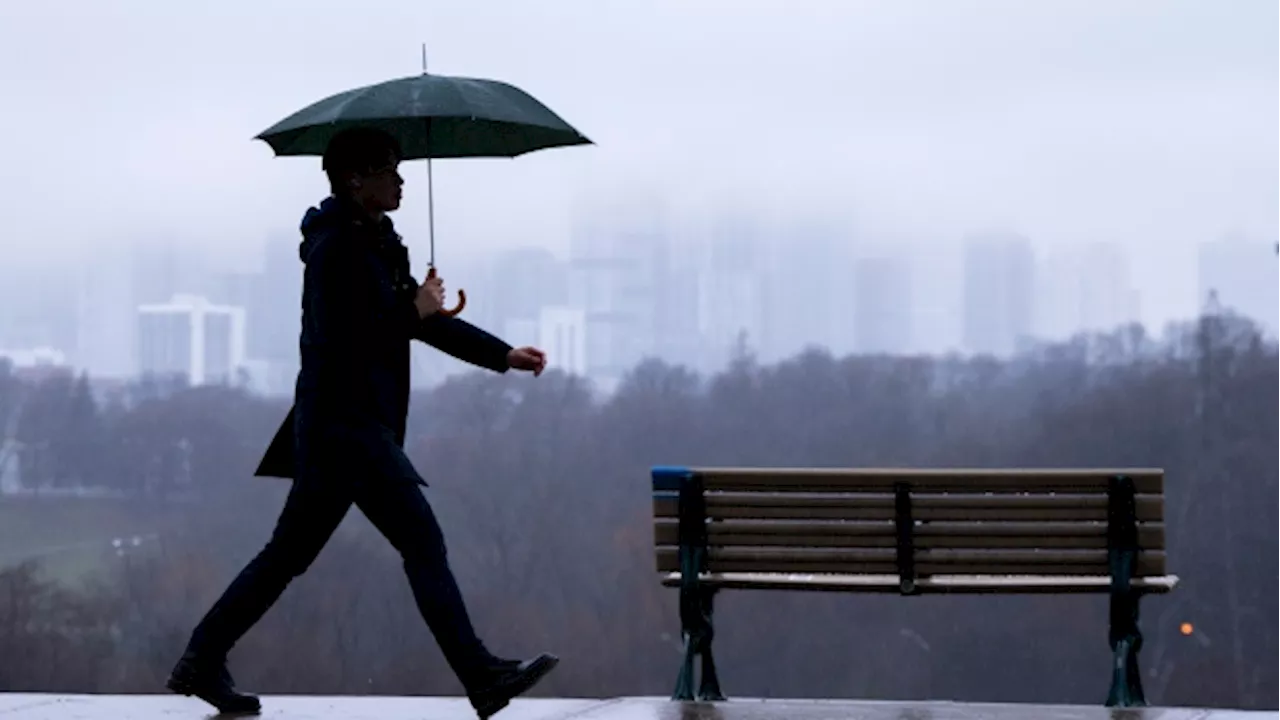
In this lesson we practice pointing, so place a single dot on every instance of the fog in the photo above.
(1135, 130)
(890, 232)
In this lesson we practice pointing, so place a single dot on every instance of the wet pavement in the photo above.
(294, 707)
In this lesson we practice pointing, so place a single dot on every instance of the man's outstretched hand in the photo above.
(528, 359)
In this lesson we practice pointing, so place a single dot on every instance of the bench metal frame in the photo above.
(697, 607)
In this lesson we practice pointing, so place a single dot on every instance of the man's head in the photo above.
(362, 164)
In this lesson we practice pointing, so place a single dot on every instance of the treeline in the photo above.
(544, 496)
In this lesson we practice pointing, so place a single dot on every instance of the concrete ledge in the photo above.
(18, 706)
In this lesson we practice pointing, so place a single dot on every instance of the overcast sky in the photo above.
(1151, 123)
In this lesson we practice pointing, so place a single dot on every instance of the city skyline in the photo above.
(630, 295)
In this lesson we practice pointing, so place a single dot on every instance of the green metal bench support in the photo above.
(697, 608)
(1122, 554)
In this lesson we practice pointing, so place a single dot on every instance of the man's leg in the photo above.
(314, 509)
(402, 514)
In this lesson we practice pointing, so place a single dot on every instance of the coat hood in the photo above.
(319, 222)
(335, 215)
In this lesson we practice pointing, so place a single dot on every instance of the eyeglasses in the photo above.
(384, 171)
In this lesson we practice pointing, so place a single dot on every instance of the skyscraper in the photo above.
(998, 303)
(1086, 288)
(616, 276)
(191, 338)
(883, 307)
(1243, 272)
(562, 334)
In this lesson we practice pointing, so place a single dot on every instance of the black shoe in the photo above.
(506, 680)
(212, 683)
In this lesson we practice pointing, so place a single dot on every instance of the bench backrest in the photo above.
(1024, 522)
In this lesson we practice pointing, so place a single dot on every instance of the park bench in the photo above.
(907, 531)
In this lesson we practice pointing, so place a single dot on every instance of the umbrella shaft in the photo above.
(431, 218)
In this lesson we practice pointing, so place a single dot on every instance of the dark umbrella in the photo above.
(431, 116)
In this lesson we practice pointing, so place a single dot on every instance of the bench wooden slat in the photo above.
(757, 533)
(1024, 508)
(1146, 480)
(966, 584)
(878, 561)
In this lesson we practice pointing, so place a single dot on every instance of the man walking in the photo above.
(343, 441)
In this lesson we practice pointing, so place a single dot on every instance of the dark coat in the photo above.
(358, 321)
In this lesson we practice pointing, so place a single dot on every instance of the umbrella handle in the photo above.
(462, 297)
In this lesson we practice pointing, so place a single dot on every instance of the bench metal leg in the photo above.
(1126, 641)
(684, 680)
(698, 635)
(709, 690)
(1122, 557)
(698, 630)
(691, 618)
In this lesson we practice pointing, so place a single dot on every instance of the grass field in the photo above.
(72, 537)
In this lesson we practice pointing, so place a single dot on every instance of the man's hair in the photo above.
(358, 149)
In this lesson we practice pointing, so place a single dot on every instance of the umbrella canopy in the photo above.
(431, 116)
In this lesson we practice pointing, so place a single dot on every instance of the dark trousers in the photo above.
(312, 512)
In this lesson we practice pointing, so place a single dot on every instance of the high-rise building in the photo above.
(37, 305)
(1086, 289)
(731, 297)
(522, 281)
(562, 334)
(617, 277)
(1243, 273)
(998, 305)
(106, 321)
(191, 338)
(273, 307)
(109, 288)
(883, 307)
(806, 290)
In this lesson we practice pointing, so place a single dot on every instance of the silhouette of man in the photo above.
(342, 443)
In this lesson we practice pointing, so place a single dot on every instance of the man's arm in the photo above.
(464, 341)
